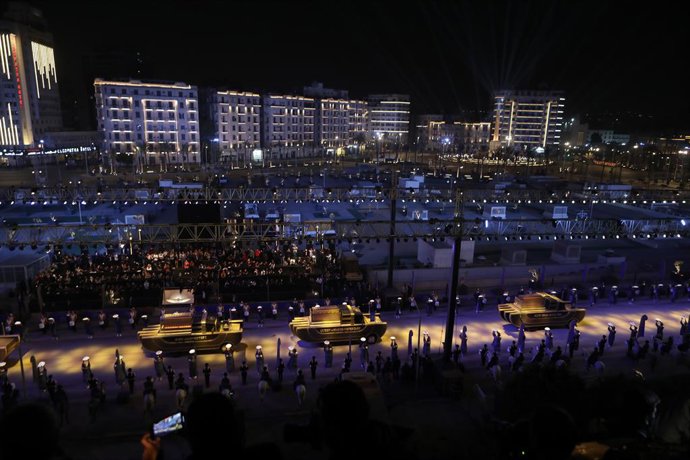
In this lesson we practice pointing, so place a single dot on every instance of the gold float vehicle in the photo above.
(540, 310)
(180, 331)
(337, 324)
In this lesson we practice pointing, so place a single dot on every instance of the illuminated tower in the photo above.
(29, 93)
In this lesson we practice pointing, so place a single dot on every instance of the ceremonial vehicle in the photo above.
(337, 324)
(540, 310)
(179, 331)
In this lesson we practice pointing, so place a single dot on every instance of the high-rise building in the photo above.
(389, 117)
(29, 95)
(157, 122)
(357, 121)
(287, 126)
(527, 119)
(472, 137)
(235, 123)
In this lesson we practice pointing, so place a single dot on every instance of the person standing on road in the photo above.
(496, 344)
(243, 372)
(463, 341)
(312, 366)
(130, 380)
(659, 329)
(171, 377)
(281, 369)
(483, 353)
(612, 335)
(159, 365)
(207, 375)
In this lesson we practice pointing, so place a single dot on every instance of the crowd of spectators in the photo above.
(211, 270)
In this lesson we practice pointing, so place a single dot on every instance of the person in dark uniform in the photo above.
(496, 344)
(130, 380)
(207, 375)
(328, 353)
(548, 338)
(229, 358)
(556, 355)
(512, 349)
(260, 315)
(483, 353)
(575, 344)
(171, 377)
(312, 366)
(191, 359)
(118, 325)
(274, 310)
(225, 383)
(659, 329)
(86, 369)
(281, 369)
(159, 365)
(149, 387)
(593, 358)
(612, 335)
(243, 372)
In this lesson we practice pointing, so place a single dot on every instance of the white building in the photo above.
(29, 93)
(287, 126)
(357, 121)
(156, 122)
(236, 123)
(528, 119)
(332, 122)
(389, 117)
(608, 136)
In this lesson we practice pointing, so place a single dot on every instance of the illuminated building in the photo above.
(472, 137)
(527, 119)
(389, 117)
(357, 121)
(156, 122)
(29, 93)
(287, 126)
(235, 122)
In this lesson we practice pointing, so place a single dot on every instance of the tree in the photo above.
(595, 138)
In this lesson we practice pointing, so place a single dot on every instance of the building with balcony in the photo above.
(235, 119)
(527, 119)
(156, 122)
(389, 118)
(288, 126)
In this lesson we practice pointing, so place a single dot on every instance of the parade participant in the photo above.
(571, 332)
(292, 358)
(593, 295)
(120, 373)
(132, 318)
(243, 372)
(592, 358)
(312, 366)
(274, 310)
(149, 387)
(72, 320)
(43, 324)
(225, 383)
(426, 345)
(612, 335)
(291, 312)
(683, 326)
(394, 349)
(207, 375)
(280, 368)
(379, 309)
(556, 355)
(483, 353)
(496, 344)
(52, 328)
(229, 358)
(191, 360)
(328, 354)
(86, 373)
(130, 380)
(463, 341)
(302, 308)
(259, 355)
(548, 338)
(398, 307)
(171, 377)
(512, 350)
(379, 362)
(659, 329)
(101, 319)
(260, 315)
(575, 344)
(159, 365)
(245, 312)
(363, 352)
(118, 326)
(613, 294)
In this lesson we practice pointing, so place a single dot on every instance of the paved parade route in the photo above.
(265, 419)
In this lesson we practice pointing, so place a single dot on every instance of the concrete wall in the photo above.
(426, 279)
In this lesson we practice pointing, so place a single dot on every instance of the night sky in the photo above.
(613, 59)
